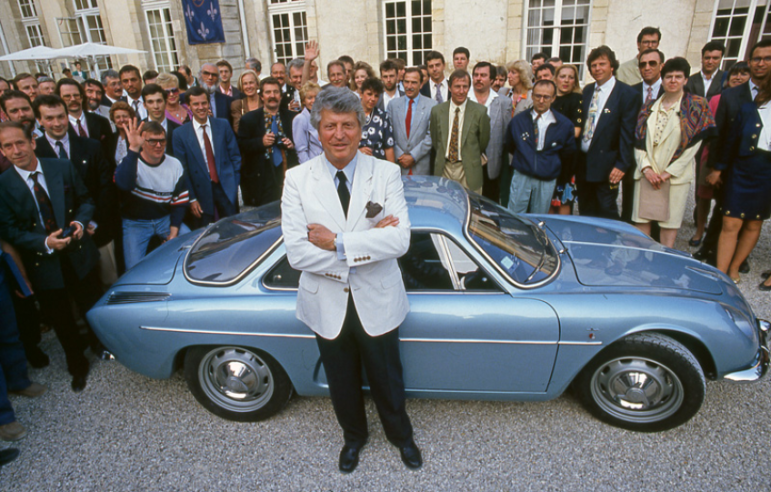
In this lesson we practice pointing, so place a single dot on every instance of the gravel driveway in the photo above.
(128, 432)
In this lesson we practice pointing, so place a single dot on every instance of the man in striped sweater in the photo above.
(153, 188)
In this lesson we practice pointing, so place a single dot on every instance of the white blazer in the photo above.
(310, 197)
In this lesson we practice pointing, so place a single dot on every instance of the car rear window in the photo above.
(229, 249)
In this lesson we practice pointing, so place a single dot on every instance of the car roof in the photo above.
(436, 203)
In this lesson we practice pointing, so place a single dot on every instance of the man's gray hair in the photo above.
(338, 100)
(297, 63)
(109, 74)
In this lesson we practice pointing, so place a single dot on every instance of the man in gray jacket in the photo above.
(410, 116)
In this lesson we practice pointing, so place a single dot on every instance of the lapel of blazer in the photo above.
(218, 144)
(326, 193)
(78, 154)
(610, 106)
(470, 114)
(362, 190)
(44, 148)
(398, 118)
(55, 184)
(18, 189)
(192, 140)
(444, 125)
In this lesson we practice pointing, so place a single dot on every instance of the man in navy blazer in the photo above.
(209, 153)
(543, 145)
(219, 103)
(607, 137)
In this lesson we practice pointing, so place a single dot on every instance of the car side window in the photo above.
(282, 276)
(422, 268)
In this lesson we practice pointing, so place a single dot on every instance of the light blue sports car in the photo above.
(503, 307)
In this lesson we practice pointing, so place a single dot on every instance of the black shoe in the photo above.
(349, 458)
(744, 267)
(78, 383)
(763, 287)
(765, 274)
(411, 456)
(38, 359)
(703, 254)
(8, 455)
(695, 243)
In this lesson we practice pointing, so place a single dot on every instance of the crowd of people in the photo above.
(97, 172)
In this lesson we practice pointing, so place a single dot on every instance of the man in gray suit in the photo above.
(709, 80)
(410, 116)
(498, 109)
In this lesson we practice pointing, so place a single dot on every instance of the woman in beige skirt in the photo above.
(666, 138)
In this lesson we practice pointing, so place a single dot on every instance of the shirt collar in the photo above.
(416, 99)
(655, 86)
(453, 106)
(82, 118)
(608, 85)
(548, 116)
(753, 87)
(490, 96)
(64, 140)
(197, 126)
(25, 174)
(347, 170)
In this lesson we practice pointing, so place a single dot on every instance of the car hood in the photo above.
(614, 254)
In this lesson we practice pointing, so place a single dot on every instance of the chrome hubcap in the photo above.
(236, 379)
(637, 389)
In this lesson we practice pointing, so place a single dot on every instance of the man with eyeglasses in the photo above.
(219, 103)
(85, 124)
(154, 194)
(709, 81)
(648, 39)
(731, 100)
(155, 102)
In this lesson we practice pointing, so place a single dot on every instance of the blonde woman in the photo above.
(176, 112)
(306, 138)
(249, 85)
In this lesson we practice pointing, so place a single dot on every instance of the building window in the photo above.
(739, 24)
(164, 46)
(35, 35)
(558, 28)
(28, 10)
(289, 26)
(85, 4)
(408, 30)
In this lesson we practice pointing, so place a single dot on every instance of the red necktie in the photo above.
(210, 156)
(44, 204)
(408, 121)
(81, 130)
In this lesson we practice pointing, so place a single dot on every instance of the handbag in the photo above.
(654, 204)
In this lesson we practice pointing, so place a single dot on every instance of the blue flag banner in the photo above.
(203, 19)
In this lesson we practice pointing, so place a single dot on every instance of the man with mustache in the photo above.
(265, 140)
(219, 103)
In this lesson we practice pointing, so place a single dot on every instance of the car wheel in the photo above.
(236, 383)
(646, 382)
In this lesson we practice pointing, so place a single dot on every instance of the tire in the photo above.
(237, 383)
(646, 382)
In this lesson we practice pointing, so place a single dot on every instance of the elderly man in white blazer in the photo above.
(345, 223)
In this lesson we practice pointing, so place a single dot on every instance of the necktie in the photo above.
(60, 150)
(439, 98)
(591, 121)
(342, 192)
(649, 96)
(408, 120)
(536, 132)
(136, 107)
(210, 156)
(452, 155)
(81, 130)
(277, 160)
(44, 204)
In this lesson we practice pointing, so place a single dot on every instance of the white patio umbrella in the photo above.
(92, 49)
(36, 53)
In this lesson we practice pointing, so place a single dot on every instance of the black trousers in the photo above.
(598, 199)
(343, 358)
(28, 321)
(56, 305)
(222, 205)
(491, 187)
(627, 196)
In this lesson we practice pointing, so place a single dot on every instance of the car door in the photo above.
(464, 333)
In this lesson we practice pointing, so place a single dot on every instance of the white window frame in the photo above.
(171, 54)
(31, 5)
(410, 48)
(557, 33)
(746, 42)
(290, 8)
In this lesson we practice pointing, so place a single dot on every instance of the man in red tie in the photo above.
(85, 123)
(410, 116)
(209, 153)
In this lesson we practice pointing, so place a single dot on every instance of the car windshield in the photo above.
(520, 249)
(232, 246)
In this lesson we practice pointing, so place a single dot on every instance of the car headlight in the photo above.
(742, 322)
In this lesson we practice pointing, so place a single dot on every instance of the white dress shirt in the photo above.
(199, 135)
(460, 126)
(604, 90)
(707, 82)
(490, 97)
(82, 119)
(444, 88)
(65, 140)
(753, 89)
(140, 107)
(543, 123)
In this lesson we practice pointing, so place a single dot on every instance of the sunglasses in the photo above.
(652, 63)
(173, 90)
(155, 141)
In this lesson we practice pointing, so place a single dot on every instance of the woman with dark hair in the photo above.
(744, 165)
(361, 72)
(737, 75)
(568, 103)
(668, 132)
(377, 133)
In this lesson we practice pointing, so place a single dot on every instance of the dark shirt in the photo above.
(569, 106)
(378, 133)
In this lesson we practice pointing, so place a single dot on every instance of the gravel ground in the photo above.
(128, 432)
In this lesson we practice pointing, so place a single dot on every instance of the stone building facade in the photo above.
(371, 30)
